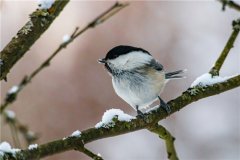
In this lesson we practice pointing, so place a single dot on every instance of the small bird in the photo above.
(137, 77)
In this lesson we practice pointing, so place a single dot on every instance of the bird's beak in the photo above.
(102, 60)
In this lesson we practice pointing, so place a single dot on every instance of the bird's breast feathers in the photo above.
(139, 89)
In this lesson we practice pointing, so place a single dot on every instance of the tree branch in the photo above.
(10, 98)
(218, 64)
(169, 140)
(39, 22)
(230, 4)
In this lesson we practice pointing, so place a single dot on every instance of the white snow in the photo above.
(99, 155)
(76, 133)
(107, 118)
(10, 114)
(152, 109)
(13, 90)
(32, 146)
(207, 80)
(5, 147)
(45, 4)
(66, 38)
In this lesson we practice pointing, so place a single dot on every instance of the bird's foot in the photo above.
(164, 105)
(140, 114)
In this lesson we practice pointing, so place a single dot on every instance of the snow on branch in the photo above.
(111, 115)
(207, 79)
(45, 4)
(5, 148)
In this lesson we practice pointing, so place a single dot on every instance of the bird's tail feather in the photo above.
(175, 74)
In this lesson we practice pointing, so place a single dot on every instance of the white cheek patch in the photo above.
(131, 60)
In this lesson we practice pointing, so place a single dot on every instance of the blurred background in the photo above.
(74, 92)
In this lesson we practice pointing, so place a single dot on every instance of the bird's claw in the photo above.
(165, 106)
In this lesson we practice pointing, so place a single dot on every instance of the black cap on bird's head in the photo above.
(120, 50)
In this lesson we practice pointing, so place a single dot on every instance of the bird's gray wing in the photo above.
(155, 65)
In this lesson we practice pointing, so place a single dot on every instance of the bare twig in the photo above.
(218, 64)
(169, 140)
(10, 98)
(14, 133)
(28, 135)
(91, 154)
(230, 4)
(39, 22)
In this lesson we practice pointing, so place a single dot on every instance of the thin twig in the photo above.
(230, 4)
(169, 140)
(10, 98)
(218, 64)
(28, 135)
(91, 154)
(10, 119)
(14, 133)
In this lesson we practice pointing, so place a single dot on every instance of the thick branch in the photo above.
(230, 4)
(39, 22)
(218, 64)
(10, 98)
(169, 140)
(152, 118)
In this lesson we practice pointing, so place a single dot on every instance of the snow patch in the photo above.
(10, 114)
(13, 90)
(66, 38)
(76, 133)
(5, 147)
(107, 118)
(32, 146)
(207, 80)
(45, 4)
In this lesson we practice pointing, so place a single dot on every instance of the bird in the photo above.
(137, 77)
